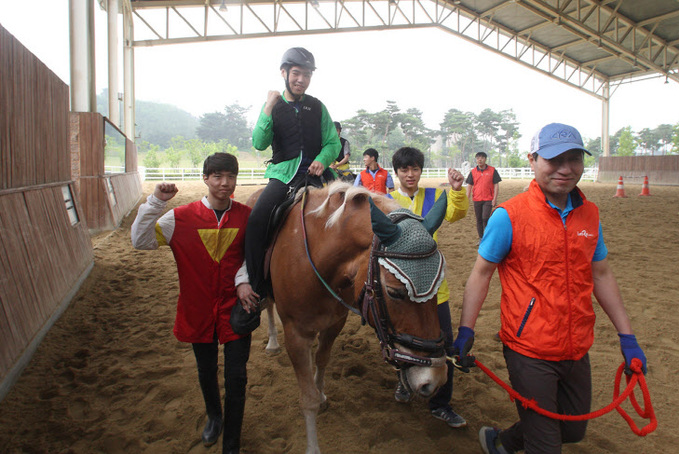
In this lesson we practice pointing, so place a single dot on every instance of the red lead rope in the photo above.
(638, 376)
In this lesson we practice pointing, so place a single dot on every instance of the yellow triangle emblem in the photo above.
(217, 241)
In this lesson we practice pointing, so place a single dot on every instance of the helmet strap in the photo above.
(287, 86)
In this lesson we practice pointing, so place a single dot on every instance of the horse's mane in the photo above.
(348, 192)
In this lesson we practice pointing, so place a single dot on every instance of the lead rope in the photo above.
(618, 399)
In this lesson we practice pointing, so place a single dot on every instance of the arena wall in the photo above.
(45, 249)
(106, 198)
(660, 170)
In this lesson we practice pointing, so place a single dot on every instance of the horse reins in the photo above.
(373, 303)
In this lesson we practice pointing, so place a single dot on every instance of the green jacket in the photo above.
(262, 137)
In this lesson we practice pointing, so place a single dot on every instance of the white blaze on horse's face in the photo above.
(425, 381)
(417, 319)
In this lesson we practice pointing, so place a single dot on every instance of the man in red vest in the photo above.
(374, 178)
(207, 238)
(548, 247)
(483, 187)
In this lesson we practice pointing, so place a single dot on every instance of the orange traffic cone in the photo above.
(644, 187)
(620, 190)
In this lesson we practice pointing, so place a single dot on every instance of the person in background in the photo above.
(207, 238)
(408, 164)
(374, 178)
(483, 187)
(341, 164)
(548, 246)
(304, 141)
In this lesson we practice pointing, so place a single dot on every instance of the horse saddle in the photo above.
(278, 216)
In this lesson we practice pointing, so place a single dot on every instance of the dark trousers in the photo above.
(236, 355)
(443, 396)
(558, 386)
(482, 210)
(257, 230)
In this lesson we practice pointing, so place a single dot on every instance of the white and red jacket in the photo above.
(209, 255)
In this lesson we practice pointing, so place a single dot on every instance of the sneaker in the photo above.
(401, 394)
(488, 437)
(449, 416)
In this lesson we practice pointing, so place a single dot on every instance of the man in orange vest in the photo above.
(374, 178)
(483, 187)
(548, 247)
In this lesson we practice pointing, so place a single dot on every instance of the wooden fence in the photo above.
(45, 249)
(661, 170)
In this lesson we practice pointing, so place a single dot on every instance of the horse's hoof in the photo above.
(273, 351)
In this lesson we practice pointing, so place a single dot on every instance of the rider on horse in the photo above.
(304, 141)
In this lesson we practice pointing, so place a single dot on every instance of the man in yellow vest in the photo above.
(408, 163)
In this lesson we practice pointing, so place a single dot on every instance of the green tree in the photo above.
(176, 151)
(458, 128)
(675, 139)
(237, 131)
(664, 133)
(211, 127)
(196, 150)
(416, 134)
(626, 142)
(488, 126)
(151, 159)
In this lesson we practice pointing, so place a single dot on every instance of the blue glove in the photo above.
(461, 347)
(630, 350)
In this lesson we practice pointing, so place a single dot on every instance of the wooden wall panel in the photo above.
(41, 258)
(662, 170)
(33, 119)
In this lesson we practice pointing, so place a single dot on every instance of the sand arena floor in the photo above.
(111, 378)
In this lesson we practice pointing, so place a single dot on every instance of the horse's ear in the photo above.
(386, 231)
(432, 221)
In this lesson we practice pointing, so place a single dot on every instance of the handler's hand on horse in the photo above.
(316, 168)
(165, 191)
(461, 347)
(248, 298)
(455, 179)
(630, 350)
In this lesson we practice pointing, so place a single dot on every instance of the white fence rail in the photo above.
(172, 174)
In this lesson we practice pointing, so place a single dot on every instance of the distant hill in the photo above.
(157, 123)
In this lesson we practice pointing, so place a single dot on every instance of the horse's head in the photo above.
(406, 271)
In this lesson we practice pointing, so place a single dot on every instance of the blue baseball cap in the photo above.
(556, 138)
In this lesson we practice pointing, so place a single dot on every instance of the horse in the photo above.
(338, 251)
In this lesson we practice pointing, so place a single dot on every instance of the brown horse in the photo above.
(330, 257)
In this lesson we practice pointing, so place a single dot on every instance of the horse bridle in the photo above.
(373, 303)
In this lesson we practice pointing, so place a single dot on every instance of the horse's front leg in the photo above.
(299, 351)
(272, 347)
(325, 341)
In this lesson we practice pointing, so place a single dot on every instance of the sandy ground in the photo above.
(111, 378)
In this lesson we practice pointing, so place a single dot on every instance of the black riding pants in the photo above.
(257, 231)
(236, 355)
(482, 210)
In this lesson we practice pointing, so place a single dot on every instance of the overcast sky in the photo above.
(426, 69)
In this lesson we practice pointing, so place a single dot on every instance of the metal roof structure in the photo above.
(593, 45)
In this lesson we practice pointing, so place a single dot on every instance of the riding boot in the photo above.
(233, 421)
(209, 385)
